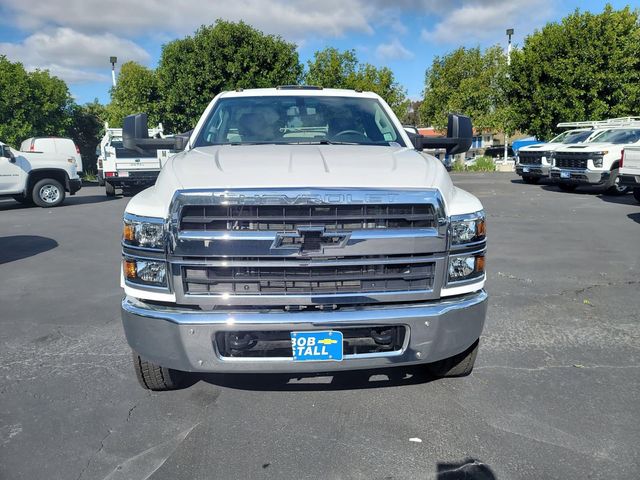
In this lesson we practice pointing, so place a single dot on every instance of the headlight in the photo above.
(466, 267)
(145, 233)
(597, 161)
(468, 228)
(145, 272)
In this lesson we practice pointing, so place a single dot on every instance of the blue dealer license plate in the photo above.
(316, 346)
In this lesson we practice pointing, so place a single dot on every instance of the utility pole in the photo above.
(113, 61)
(506, 140)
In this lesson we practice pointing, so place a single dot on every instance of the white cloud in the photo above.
(393, 50)
(72, 55)
(293, 19)
(486, 19)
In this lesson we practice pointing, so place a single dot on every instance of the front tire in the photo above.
(567, 187)
(459, 365)
(530, 179)
(48, 193)
(109, 189)
(616, 189)
(157, 378)
(100, 180)
(636, 194)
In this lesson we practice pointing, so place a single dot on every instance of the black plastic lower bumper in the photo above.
(74, 185)
(134, 179)
(630, 180)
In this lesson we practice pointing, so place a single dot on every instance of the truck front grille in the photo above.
(532, 158)
(284, 218)
(268, 277)
(301, 248)
(576, 160)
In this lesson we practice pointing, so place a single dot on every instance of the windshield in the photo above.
(577, 137)
(618, 136)
(116, 142)
(559, 138)
(298, 120)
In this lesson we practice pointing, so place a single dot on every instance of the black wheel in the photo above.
(23, 199)
(616, 188)
(459, 365)
(109, 189)
(530, 179)
(48, 193)
(567, 187)
(100, 180)
(154, 377)
(636, 194)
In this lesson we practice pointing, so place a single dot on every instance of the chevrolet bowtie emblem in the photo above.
(310, 240)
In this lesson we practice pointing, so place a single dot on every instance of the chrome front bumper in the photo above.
(580, 176)
(533, 170)
(183, 339)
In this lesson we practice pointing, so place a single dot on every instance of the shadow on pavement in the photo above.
(635, 217)
(352, 380)
(69, 201)
(552, 187)
(622, 199)
(18, 247)
(87, 200)
(468, 469)
(541, 182)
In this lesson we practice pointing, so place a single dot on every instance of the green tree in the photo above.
(31, 103)
(86, 130)
(587, 67)
(224, 56)
(331, 68)
(471, 82)
(136, 91)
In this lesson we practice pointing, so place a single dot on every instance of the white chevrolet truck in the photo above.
(629, 172)
(37, 177)
(534, 161)
(595, 163)
(302, 230)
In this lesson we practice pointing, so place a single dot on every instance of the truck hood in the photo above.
(307, 166)
(541, 147)
(300, 166)
(612, 148)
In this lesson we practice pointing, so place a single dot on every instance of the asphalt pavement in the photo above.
(555, 392)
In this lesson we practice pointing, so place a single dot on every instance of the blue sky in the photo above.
(74, 38)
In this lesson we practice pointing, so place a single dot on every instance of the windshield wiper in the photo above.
(325, 142)
(255, 143)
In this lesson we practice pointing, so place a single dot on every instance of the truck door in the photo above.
(12, 173)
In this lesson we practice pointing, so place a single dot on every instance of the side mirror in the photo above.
(180, 142)
(458, 140)
(135, 136)
(5, 151)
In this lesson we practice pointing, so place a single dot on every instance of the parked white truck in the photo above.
(629, 172)
(36, 177)
(121, 167)
(595, 163)
(534, 161)
(302, 230)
